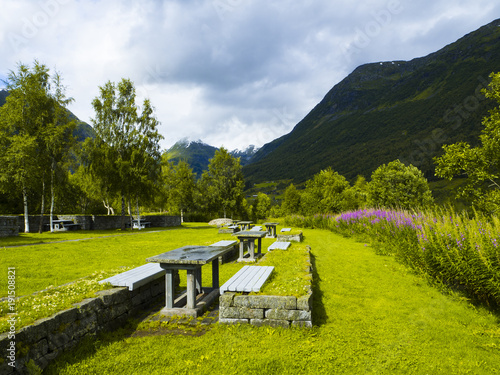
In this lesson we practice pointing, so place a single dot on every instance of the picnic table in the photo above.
(144, 224)
(191, 259)
(271, 229)
(244, 225)
(248, 238)
(62, 225)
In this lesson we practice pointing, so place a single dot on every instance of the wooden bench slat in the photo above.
(247, 279)
(136, 277)
(282, 245)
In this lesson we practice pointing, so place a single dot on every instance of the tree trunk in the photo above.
(52, 199)
(26, 217)
(123, 213)
(40, 225)
(138, 214)
(182, 215)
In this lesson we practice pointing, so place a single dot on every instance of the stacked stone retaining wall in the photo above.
(96, 222)
(45, 339)
(263, 310)
(8, 226)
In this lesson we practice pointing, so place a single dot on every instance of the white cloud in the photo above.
(230, 72)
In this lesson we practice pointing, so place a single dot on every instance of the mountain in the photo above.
(389, 110)
(82, 130)
(198, 154)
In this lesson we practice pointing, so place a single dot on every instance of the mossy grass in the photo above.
(371, 315)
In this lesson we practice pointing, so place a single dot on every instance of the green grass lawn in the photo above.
(370, 316)
(41, 266)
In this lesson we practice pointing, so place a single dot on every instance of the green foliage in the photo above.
(398, 186)
(291, 200)
(481, 164)
(324, 193)
(124, 156)
(221, 187)
(449, 248)
(178, 186)
(261, 206)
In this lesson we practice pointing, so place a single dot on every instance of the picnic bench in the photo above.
(136, 277)
(257, 228)
(280, 245)
(247, 279)
(285, 229)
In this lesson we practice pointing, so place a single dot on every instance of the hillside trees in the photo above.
(396, 185)
(34, 127)
(324, 193)
(178, 185)
(221, 186)
(481, 164)
(124, 157)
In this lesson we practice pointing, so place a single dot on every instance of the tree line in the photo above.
(122, 169)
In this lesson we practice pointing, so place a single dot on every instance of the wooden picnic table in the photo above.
(191, 259)
(248, 238)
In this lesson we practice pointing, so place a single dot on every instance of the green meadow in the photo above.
(371, 315)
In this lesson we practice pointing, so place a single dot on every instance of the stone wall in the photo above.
(8, 226)
(96, 222)
(262, 310)
(45, 339)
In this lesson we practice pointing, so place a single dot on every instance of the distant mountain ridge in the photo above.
(198, 154)
(389, 110)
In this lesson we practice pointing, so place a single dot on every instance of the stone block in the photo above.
(113, 296)
(88, 306)
(305, 302)
(240, 313)
(226, 299)
(266, 302)
(65, 317)
(280, 314)
(58, 341)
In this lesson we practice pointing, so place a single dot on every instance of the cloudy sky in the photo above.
(229, 72)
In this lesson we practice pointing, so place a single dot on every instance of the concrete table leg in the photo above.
(197, 276)
(259, 247)
(191, 289)
(242, 248)
(215, 274)
(169, 289)
(251, 249)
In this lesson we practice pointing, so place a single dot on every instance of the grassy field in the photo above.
(371, 315)
(41, 266)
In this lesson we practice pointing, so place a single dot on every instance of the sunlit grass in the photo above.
(371, 315)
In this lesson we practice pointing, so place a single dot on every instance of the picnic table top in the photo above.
(250, 234)
(270, 224)
(245, 222)
(190, 255)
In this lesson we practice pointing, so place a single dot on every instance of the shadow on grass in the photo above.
(319, 313)
(133, 327)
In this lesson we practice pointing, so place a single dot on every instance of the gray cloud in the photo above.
(230, 72)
